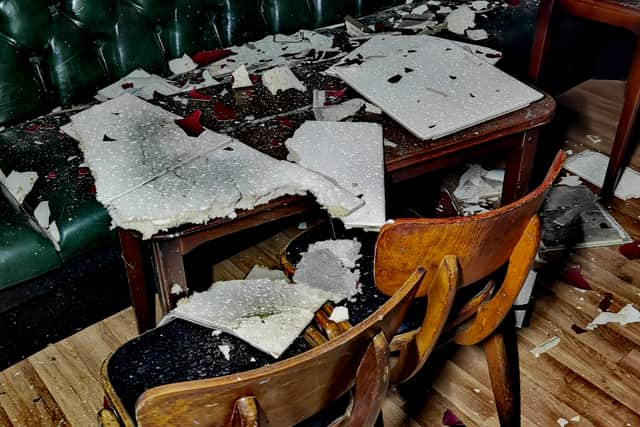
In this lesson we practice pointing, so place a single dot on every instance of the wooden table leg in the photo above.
(501, 352)
(519, 166)
(541, 40)
(626, 128)
(142, 298)
(169, 271)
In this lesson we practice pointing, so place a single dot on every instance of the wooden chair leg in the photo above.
(501, 352)
(245, 413)
(626, 128)
(542, 39)
(372, 380)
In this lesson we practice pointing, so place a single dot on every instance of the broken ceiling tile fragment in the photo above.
(268, 314)
(19, 184)
(347, 251)
(545, 346)
(322, 269)
(241, 78)
(339, 314)
(338, 112)
(351, 154)
(274, 50)
(42, 214)
(627, 314)
(225, 349)
(280, 79)
(477, 35)
(490, 56)
(592, 167)
(475, 186)
(428, 91)
(479, 4)
(147, 144)
(460, 20)
(570, 181)
(206, 57)
(182, 65)
(191, 124)
(138, 83)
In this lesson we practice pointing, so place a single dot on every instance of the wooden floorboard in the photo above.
(593, 375)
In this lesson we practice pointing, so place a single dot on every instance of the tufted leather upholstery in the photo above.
(56, 52)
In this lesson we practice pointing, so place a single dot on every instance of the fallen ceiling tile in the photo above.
(460, 20)
(351, 154)
(627, 314)
(451, 87)
(281, 79)
(346, 250)
(19, 184)
(322, 269)
(241, 78)
(182, 65)
(138, 83)
(267, 314)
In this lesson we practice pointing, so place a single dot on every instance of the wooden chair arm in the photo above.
(491, 313)
(440, 293)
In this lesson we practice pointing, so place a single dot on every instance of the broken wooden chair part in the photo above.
(458, 252)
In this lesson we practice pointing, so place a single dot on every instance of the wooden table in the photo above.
(160, 259)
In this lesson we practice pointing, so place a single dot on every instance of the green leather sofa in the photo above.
(56, 53)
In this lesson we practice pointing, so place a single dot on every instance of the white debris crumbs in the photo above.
(420, 9)
(19, 184)
(562, 422)
(42, 214)
(176, 289)
(628, 314)
(281, 79)
(262, 272)
(594, 138)
(575, 419)
(347, 251)
(253, 309)
(216, 332)
(241, 78)
(475, 186)
(479, 5)
(182, 65)
(570, 181)
(225, 350)
(545, 346)
(460, 20)
(339, 314)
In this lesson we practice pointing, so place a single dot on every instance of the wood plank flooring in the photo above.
(593, 375)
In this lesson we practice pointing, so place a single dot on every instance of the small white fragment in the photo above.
(476, 35)
(42, 214)
(71, 158)
(460, 20)
(253, 359)
(241, 78)
(569, 152)
(20, 184)
(495, 175)
(476, 390)
(479, 4)
(280, 79)
(594, 138)
(420, 9)
(226, 351)
(444, 10)
(388, 143)
(373, 109)
(338, 112)
(182, 65)
(54, 232)
(434, 2)
(628, 314)
(339, 314)
(302, 226)
(176, 289)
(563, 422)
(570, 181)
(575, 419)
(545, 346)
(216, 332)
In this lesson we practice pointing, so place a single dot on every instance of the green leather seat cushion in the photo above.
(24, 253)
(39, 146)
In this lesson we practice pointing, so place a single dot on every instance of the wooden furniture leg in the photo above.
(169, 272)
(541, 40)
(142, 298)
(501, 352)
(626, 128)
(245, 413)
(519, 165)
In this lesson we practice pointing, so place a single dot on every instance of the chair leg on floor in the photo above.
(626, 126)
(380, 421)
(502, 357)
(541, 39)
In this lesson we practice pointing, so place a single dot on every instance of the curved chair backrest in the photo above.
(286, 392)
(481, 243)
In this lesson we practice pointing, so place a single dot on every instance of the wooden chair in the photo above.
(289, 391)
(458, 252)
(618, 13)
